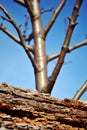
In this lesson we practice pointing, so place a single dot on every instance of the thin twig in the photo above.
(46, 10)
(26, 26)
(70, 49)
(4, 18)
(80, 92)
(80, 44)
(21, 2)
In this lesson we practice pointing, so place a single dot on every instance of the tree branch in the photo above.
(80, 92)
(9, 34)
(22, 42)
(54, 16)
(30, 37)
(70, 49)
(46, 10)
(72, 23)
(80, 44)
(21, 2)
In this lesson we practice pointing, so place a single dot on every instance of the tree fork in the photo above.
(39, 46)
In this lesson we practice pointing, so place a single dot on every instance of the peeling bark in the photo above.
(27, 110)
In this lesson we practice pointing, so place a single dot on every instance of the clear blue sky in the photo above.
(15, 67)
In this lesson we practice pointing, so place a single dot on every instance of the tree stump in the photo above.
(22, 109)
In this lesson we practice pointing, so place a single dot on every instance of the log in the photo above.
(22, 109)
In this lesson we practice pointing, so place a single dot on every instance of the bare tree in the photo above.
(37, 52)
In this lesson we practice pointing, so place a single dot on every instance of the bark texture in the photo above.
(22, 109)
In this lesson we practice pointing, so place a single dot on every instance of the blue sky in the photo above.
(15, 67)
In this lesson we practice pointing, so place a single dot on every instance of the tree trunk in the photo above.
(29, 110)
(39, 46)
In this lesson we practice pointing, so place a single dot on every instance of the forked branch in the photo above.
(80, 91)
(26, 47)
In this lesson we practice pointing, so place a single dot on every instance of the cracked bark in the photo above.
(25, 109)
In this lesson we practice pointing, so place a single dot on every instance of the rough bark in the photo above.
(26, 110)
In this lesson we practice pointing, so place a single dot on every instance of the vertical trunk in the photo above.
(40, 58)
(39, 46)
